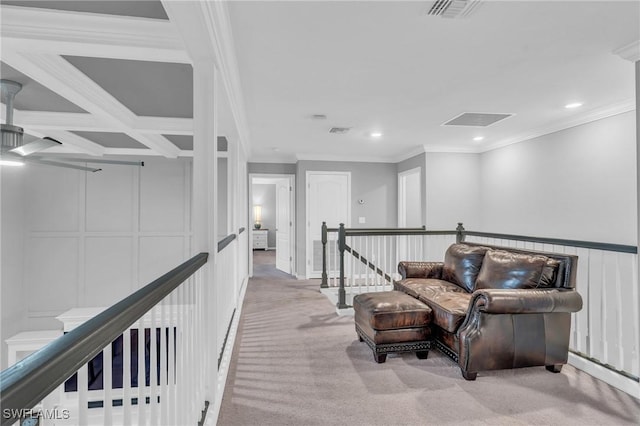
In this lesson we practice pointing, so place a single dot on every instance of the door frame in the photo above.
(309, 242)
(292, 212)
(402, 194)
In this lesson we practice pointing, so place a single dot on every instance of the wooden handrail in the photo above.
(27, 382)
(225, 242)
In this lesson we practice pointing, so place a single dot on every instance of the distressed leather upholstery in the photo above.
(496, 307)
(392, 321)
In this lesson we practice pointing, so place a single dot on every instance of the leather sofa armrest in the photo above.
(420, 269)
(525, 301)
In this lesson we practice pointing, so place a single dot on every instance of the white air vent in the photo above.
(453, 8)
(339, 130)
(477, 119)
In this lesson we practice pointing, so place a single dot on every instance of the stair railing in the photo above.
(606, 331)
(162, 324)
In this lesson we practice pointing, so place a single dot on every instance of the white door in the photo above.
(328, 200)
(409, 199)
(283, 226)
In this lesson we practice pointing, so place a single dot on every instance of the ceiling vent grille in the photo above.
(453, 8)
(476, 119)
(339, 130)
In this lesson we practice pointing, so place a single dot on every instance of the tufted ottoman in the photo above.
(392, 321)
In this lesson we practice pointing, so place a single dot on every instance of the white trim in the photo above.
(594, 115)
(308, 242)
(90, 34)
(291, 177)
(611, 377)
(402, 200)
(223, 372)
(630, 52)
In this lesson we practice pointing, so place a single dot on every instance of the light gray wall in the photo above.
(375, 183)
(11, 289)
(411, 163)
(578, 183)
(452, 190)
(272, 168)
(265, 195)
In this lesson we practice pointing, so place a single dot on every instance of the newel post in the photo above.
(342, 302)
(323, 283)
(459, 233)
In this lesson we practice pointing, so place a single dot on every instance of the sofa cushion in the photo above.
(448, 302)
(462, 264)
(449, 308)
(426, 287)
(508, 270)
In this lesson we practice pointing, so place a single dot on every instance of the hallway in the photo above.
(295, 362)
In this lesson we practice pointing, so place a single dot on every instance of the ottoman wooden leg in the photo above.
(554, 368)
(422, 354)
(380, 358)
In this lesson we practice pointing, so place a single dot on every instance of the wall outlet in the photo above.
(362, 219)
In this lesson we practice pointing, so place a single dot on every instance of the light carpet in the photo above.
(295, 362)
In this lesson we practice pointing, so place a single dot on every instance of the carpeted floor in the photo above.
(295, 362)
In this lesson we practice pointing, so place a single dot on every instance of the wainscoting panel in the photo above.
(110, 200)
(53, 199)
(158, 255)
(162, 192)
(51, 275)
(108, 270)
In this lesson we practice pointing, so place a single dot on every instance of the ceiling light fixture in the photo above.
(573, 105)
(11, 163)
(478, 138)
(376, 134)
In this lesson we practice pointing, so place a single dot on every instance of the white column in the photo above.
(205, 157)
(637, 63)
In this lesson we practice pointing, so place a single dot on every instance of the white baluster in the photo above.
(107, 384)
(126, 377)
(142, 405)
(153, 368)
(83, 410)
(163, 364)
(171, 358)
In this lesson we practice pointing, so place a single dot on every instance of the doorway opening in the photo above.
(272, 223)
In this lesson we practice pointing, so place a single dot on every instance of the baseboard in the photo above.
(608, 376)
(223, 371)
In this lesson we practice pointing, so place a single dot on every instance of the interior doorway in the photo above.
(272, 223)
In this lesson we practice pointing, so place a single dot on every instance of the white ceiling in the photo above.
(387, 66)
(123, 70)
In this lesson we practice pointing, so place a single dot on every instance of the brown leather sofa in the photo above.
(497, 307)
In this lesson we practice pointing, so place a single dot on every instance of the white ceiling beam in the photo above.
(76, 143)
(90, 34)
(44, 120)
(206, 32)
(60, 76)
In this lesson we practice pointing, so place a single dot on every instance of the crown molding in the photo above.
(205, 29)
(630, 52)
(90, 34)
(594, 115)
(420, 149)
(343, 158)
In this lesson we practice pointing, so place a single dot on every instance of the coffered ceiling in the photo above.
(115, 77)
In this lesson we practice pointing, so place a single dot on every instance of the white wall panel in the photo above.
(53, 196)
(158, 255)
(51, 275)
(162, 197)
(110, 199)
(108, 270)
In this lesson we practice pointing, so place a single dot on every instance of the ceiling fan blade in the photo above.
(35, 146)
(57, 164)
(99, 161)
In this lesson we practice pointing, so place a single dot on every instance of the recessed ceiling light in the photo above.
(573, 105)
(376, 134)
(478, 138)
